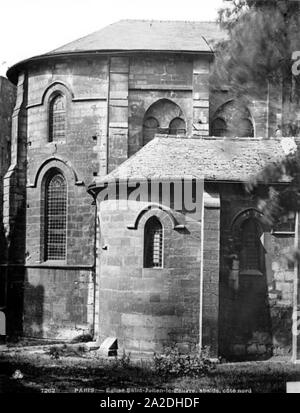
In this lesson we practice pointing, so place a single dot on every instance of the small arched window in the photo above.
(55, 217)
(177, 127)
(246, 129)
(153, 244)
(219, 128)
(57, 118)
(151, 128)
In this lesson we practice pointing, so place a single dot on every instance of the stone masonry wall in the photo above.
(14, 182)
(144, 308)
(7, 103)
(58, 303)
(148, 309)
(105, 98)
(181, 79)
(211, 274)
(78, 157)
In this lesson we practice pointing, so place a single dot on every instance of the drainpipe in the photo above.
(94, 269)
(107, 115)
(295, 327)
(94, 195)
(201, 274)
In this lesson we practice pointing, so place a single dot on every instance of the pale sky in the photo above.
(32, 27)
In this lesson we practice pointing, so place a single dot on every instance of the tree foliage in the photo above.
(283, 178)
(262, 37)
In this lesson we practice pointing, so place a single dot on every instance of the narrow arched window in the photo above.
(251, 257)
(57, 118)
(55, 217)
(219, 128)
(153, 244)
(177, 127)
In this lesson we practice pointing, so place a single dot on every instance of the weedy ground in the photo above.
(71, 369)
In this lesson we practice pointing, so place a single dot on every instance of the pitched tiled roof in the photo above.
(149, 35)
(216, 159)
(139, 36)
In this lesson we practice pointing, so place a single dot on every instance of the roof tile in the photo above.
(217, 159)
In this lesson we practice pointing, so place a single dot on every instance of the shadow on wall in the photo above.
(16, 275)
(17, 313)
(14, 300)
(252, 318)
(3, 246)
(3, 269)
(34, 310)
(246, 331)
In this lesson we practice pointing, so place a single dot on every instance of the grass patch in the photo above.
(76, 369)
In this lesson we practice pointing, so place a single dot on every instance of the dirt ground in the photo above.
(49, 369)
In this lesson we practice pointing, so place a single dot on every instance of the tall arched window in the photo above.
(177, 127)
(55, 217)
(57, 118)
(251, 257)
(153, 244)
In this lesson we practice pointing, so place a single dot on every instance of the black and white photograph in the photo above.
(149, 200)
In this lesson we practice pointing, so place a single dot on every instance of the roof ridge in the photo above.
(166, 21)
(220, 138)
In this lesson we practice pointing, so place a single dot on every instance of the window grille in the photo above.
(251, 246)
(153, 244)
(56, 218)
(57, 119)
